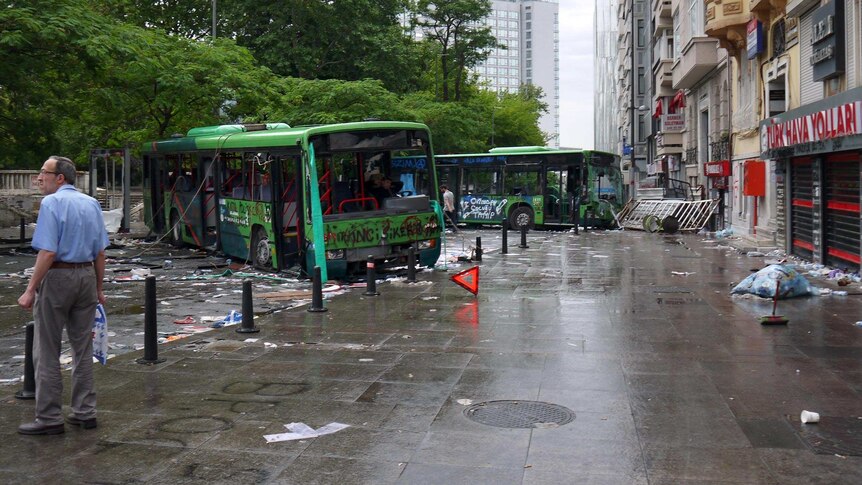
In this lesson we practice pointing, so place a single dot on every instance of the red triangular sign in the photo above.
(468, 279)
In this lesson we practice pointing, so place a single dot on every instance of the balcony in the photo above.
(662, 9)
(668, 144)
(663, 80)
(726, 21)
(698, 58)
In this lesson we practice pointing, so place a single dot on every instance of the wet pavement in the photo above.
(629, 339)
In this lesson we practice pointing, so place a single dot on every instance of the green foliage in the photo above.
(114, 73)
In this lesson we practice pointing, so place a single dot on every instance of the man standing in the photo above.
(64, 290)
(449, 204)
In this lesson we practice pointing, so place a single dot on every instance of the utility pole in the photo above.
(214, 20)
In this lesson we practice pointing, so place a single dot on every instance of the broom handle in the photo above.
(775, 298)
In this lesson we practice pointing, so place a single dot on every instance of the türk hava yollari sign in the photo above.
(836, 122)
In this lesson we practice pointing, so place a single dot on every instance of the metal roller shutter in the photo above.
(802, 208)
(841, 225)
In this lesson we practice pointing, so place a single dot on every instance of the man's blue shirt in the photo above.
(70, 224)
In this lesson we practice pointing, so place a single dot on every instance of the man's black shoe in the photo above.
(84, 423)
(36, 428)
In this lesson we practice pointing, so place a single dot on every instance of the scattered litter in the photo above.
(251, 340)
(300, 431)
(464, 402)
(430, 297)
(839, 292)
(762, 283)
(269, 345)
(12, 380)
(366, 360)
(755, 254)
(809, 417)
(233, 318)
(140, 272)
(188, 320)
(858, 324)
(681, 273)
(163, 302)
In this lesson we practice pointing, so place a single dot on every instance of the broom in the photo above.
(774, 319)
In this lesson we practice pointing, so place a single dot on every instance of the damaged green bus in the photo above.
(531, 185)
(277, 196)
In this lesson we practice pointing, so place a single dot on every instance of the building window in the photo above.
(529, 25)
(529, 44)
(529, 16)
(641, 80)
(529, 63)
(779, 43)
(676, 35)
(695, 16)
(640, 33)
(641, 128)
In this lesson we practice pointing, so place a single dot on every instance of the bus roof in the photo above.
(275, 134)
(524, 150)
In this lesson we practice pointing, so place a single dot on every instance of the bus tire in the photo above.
(261, 255)
(176, 230)
(521, 216)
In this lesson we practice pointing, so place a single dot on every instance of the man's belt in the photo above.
(64, 265)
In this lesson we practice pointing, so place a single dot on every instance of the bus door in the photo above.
(448, 176)
(560, 188)
(288, 215)
(208, 199)
(154, 189)
(184, 209)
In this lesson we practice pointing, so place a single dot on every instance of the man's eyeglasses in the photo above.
(45, 172)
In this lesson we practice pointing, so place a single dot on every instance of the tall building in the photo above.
(633, 118)
(606, 136)
(529, 30)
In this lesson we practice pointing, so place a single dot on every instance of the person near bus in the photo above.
(449, 205)
(382, 189)
(64, 290)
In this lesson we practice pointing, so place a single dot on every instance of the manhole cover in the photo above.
(519, 414)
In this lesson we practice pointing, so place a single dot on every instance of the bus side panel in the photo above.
(235, 224)
(485, 209)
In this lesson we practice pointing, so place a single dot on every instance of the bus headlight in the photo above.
(427, 244)
(335, 254)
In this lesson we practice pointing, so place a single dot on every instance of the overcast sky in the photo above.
(576, 73)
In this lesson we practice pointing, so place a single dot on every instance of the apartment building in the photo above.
(761, 102)
(606, 133)
(632, 116)
(529, 30)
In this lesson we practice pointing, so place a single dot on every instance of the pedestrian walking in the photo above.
(63, 291)
(449, 204)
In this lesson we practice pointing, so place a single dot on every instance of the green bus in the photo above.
(531, 185)
(277, 196)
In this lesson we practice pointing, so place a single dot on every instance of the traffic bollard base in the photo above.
(22, 394)
(149, 361)
(247, 330)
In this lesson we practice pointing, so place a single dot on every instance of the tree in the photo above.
(346, 39)
(452, 26)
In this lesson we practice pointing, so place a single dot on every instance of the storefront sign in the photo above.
(839, 121)
(673, 123)
(720, 168)
(754, 41)
(827, 40)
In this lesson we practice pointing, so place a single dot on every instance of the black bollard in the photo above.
(151, 336)
(316, 292)
(505, 248)
(478, 249)
(247, 325)
(371, 278)
(23, 234)
(29, 389)
(524, 237)
(411, 265)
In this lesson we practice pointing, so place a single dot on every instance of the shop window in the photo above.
(779, 44)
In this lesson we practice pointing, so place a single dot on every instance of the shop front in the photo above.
(818, 151)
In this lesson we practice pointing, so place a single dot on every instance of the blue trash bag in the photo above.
(762, 283)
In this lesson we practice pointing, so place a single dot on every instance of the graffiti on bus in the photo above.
(483, 208)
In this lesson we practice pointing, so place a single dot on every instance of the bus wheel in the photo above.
(521, 216)
(176, 230)
(261, 256)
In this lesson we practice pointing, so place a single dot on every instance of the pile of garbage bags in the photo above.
(776, 277)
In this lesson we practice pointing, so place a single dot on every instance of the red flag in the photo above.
(659, 110)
